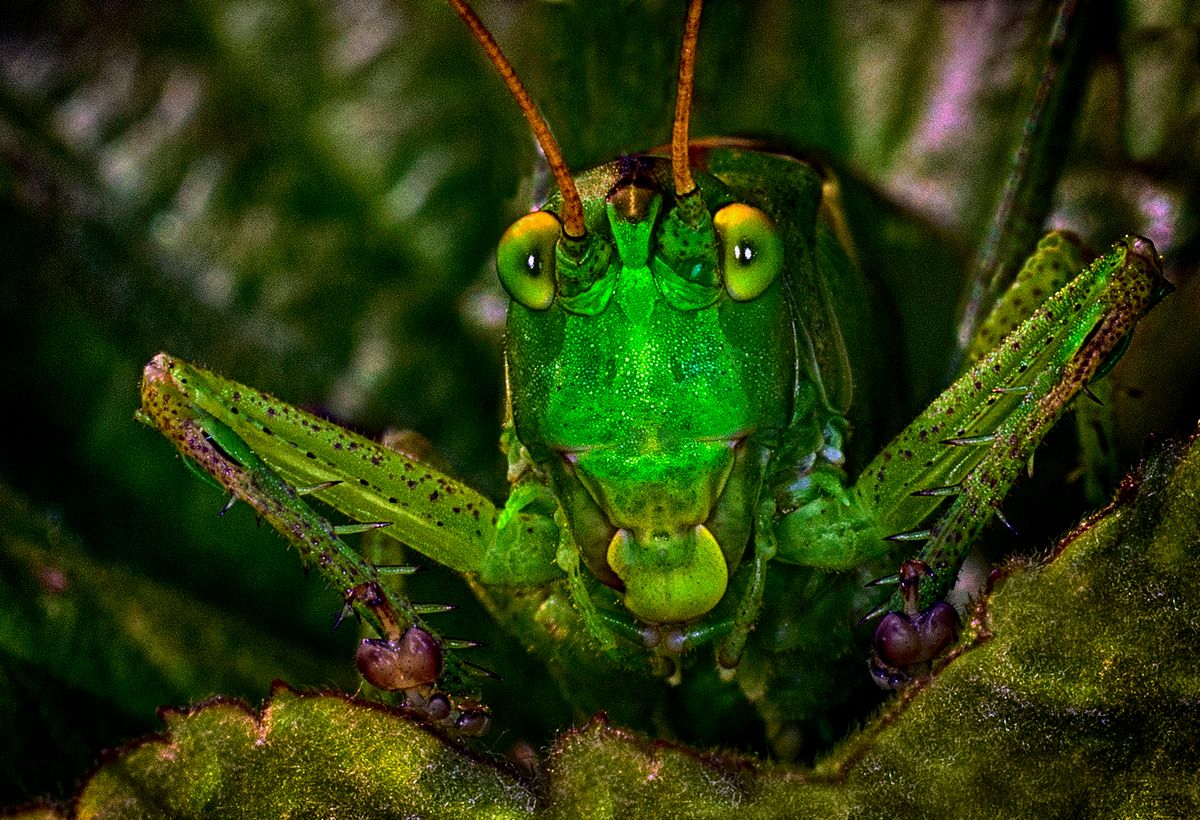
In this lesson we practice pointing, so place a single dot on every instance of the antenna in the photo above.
(572, 205)
(681, 171)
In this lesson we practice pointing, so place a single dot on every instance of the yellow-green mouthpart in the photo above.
(669, 577)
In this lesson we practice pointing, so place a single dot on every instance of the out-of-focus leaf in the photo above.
(116, 634)
(1075, 694)
(101, 648)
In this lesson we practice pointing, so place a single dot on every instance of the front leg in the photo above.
(822, 522)
(944, 477)
(275, 457)
(942, 480)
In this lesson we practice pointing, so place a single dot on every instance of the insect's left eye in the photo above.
(751, 251)
(525, 259)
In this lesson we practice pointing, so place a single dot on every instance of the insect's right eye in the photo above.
(525, 259)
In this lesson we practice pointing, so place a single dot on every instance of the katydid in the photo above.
(692, 366)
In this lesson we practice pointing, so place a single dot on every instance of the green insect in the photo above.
(696, 395)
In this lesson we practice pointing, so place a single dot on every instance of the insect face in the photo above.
(653, 388)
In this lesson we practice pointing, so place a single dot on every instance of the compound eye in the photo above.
(525, 259)
(751, 250)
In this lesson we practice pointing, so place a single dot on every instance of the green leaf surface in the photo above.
(1046, 709)
(302, 756)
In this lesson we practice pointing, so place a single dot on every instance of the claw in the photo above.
(903, 641)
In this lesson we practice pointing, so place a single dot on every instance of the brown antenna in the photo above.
(572, 205)
(681, 171)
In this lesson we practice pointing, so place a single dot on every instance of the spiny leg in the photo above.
(966, 485)
(183, 402)
(943, 478)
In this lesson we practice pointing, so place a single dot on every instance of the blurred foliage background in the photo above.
(305, 195)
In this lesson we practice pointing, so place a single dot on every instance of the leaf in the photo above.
(302, 756)
(1047, 708)
(116, 634)
(89, 650)
(1081, 695)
